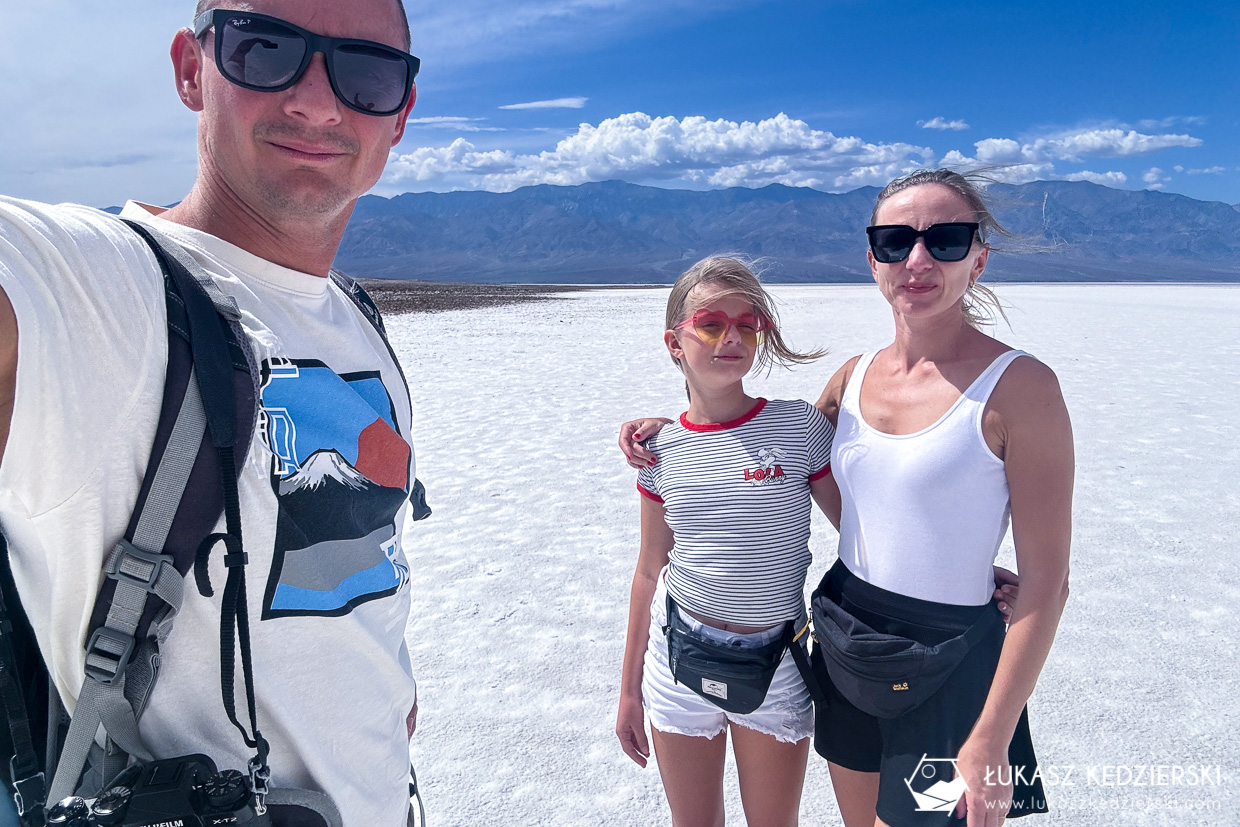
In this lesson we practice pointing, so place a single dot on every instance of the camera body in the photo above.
(175, 792)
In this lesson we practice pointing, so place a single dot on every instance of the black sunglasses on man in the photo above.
(267, 54)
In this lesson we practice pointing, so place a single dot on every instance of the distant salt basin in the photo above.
(520, 578)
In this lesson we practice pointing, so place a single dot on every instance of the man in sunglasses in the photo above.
(299, 103)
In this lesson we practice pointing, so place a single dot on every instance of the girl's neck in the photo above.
(716, 406)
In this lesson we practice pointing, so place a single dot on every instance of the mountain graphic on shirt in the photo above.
(328, 499)
(340, 472)
(321, 469)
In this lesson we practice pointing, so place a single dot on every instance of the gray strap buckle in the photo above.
(108, 653)
(130, 564)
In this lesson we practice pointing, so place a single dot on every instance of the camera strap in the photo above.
(235, 625)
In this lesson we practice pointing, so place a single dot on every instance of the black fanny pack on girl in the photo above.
(733, 678)
(887, 675)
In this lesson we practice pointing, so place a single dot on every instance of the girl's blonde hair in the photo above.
(981, 304)
(735, 275)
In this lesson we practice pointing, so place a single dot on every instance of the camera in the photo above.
(176, 792)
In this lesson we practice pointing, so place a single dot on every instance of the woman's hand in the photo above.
(631, 730)
(1007, 590)
(983, 763)
(631, 435)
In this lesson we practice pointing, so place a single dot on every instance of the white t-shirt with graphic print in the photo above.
(324, 498)
(738, 501)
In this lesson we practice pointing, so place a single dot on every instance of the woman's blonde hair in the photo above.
(735, 275)
(981, 304)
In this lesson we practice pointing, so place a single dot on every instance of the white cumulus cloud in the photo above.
(1109, 143)
(699, 152)
(1154, 178)
(1000, 151)
(692, 150)
(1207, 171)
(941, 123)
(1038, 158)
(555, 103)
(1075, 145)
(1107, 179)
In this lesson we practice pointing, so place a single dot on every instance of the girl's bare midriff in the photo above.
(738, 628)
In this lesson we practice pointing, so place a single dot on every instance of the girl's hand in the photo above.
(983, 764)
(1007, 590)
(631, 434)
(631, 730)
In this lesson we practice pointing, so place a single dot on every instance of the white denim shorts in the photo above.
(787, 713)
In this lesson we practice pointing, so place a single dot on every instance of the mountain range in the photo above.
(615, 232)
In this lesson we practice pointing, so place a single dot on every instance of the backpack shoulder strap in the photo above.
(207, 419)
(351, 288)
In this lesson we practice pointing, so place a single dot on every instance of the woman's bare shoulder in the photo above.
(829, 401)
(1027, 403)
(1026, 380)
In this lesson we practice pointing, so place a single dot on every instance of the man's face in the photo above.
(300, 152)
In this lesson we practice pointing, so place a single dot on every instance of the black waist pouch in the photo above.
(733, 678)
(888, 675)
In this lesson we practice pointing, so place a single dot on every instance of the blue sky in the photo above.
(682, 93)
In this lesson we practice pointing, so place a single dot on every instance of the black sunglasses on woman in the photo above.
(949, 241)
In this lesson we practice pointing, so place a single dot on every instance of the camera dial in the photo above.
(227, 790)
(69, 812)
(109, 808)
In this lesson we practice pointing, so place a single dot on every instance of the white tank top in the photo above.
(923, 513)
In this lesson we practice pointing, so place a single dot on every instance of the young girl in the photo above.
(725, 530)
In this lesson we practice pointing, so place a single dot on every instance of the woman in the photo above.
(940, 436)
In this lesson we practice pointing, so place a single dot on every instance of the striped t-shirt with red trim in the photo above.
(738, 501)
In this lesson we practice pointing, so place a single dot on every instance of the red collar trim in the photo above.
(723, 426)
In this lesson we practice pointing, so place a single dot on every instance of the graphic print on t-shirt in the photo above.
(769, 470)
(340, 473)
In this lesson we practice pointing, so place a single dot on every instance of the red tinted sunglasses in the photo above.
(712, 325)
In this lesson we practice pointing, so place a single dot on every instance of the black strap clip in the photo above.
(29, 794)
